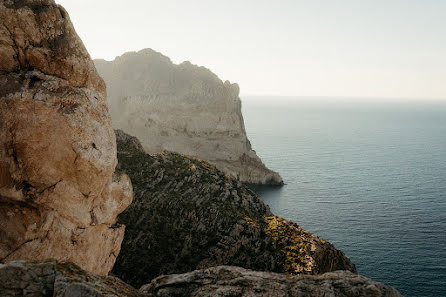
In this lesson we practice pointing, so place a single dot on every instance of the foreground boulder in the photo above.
(188, 215)
(182, 108)
(59, 194)
(49, 278)
(236, 281)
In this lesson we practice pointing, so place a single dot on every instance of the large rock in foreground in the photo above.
(42, 279)
(236, 281)
(188, 215)
(59, 195)
(26, 279)
(182, 108)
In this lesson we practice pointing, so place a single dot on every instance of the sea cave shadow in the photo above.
(267, 193)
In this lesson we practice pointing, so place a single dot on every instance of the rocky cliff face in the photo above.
(187, 215)
(59, 194)
(182, 108)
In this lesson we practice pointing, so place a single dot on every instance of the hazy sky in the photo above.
(375, 48)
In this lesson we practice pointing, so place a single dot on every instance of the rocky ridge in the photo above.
(240, 282)
(50, 278)
(182, 108)
(189, 215)
(59, 193)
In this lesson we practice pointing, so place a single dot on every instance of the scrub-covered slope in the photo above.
(187, 214)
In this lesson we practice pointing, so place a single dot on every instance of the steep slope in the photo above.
(182, 108)
(59, 194)
(187, 215)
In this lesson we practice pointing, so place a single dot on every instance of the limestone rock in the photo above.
(182, 108)
(188, 215)
(59, 195)
(49, 278)
(236, 281)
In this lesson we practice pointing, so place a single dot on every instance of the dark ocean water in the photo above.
(368, 177)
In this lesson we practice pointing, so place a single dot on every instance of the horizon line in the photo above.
(343, 97)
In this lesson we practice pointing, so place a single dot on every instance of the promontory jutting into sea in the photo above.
(144, 177)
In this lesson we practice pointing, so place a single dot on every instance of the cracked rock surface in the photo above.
(59, 194)
(50, 278)
(182, 108)
(236, 281)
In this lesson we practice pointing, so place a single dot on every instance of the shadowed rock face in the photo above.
(187, 215)
(236, 281)
(49, 278)
(182, 108)
(59, 195)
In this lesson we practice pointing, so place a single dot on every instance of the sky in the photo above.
(349, 48)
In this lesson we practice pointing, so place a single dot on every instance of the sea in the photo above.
(368, 175)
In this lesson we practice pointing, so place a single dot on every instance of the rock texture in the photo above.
(59, 194)
(236, 281)
(182, 108)
(187, 215)
(42, 279)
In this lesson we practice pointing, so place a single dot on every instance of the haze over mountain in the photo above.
(295, 48)
(182, 108)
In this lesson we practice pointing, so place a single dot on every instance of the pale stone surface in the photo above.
(182, 108)
(236, 281)
(59, 195)
(50, 278)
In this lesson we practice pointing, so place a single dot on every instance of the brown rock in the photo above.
(59, 195)
(50, 278)
(236, 281)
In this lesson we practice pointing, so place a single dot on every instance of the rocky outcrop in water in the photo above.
(236, 281)
(182, 108)
(59, 194)
(188, 215)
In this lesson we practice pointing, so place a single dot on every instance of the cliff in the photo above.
(59, 194)
(182, 108)
(188, 215)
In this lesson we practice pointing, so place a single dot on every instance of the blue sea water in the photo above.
(370, 177)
